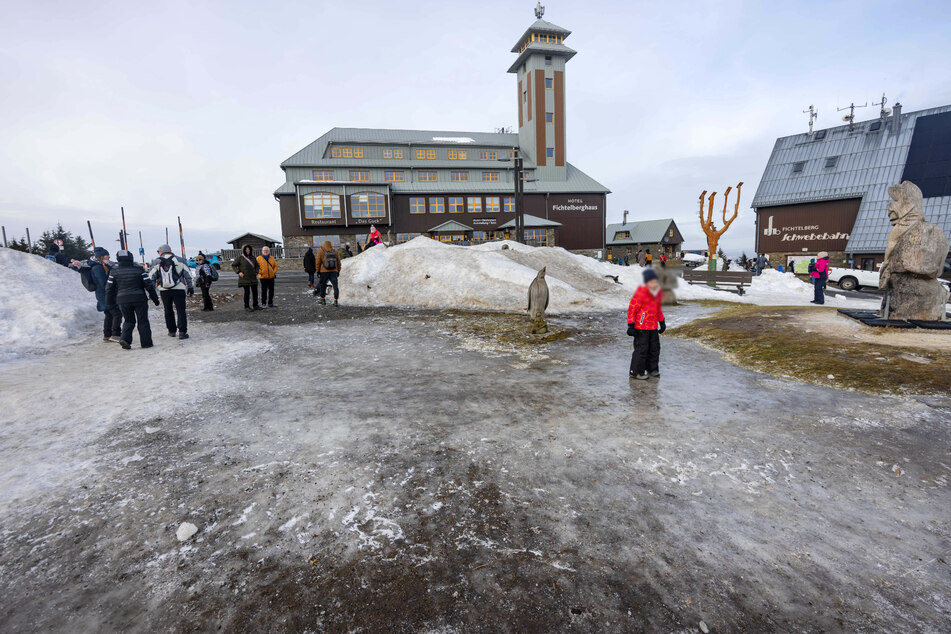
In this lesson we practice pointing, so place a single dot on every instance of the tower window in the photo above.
(549, 117)
(550, 152)
(548, 60)
(547, 82)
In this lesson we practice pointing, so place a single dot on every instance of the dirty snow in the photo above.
(42, 305)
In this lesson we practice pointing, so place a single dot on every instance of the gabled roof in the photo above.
(531, 221)
(451, 225)
(254, 235)
(643, 232)
(544, 48)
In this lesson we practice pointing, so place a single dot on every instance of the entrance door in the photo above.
(868, 264)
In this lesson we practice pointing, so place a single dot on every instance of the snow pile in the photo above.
(495, 276)
(42, 305)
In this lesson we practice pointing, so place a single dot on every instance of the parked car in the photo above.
(214, 258)
(854, 279)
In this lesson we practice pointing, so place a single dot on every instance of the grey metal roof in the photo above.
(541, 26)
(868, 162)
(539, 47)
(256, 235)
(531, 221)
(450, 225)
(642, 232)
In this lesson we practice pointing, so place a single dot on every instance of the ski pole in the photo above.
(91, 237)
(125, 234)
(141, 248)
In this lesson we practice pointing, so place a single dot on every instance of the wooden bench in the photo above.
(736, 279)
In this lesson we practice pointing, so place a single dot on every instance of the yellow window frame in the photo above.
(417, 205)
(474, 204)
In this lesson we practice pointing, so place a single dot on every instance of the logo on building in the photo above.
(769, 230)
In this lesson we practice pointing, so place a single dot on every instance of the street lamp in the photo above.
(519, 191)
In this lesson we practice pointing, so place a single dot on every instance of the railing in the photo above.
(280, 253)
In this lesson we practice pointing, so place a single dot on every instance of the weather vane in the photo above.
(539, 10)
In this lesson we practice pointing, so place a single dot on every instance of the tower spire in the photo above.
(539, 10)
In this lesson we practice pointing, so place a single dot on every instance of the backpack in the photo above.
(330, 260)
(85, 276)
(214, 272)
(168, 270)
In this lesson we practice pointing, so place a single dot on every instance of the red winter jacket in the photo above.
(645, 311)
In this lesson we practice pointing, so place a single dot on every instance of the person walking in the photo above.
(649, 258)
(99, 266)
(174, 281)
(246, 266)
(641, 258)
(267, 271)
(205, 274)
(819, 274)
(310, 266)
(761, 262)
(645, 322)
(328, 267)
(128, 287)
(627, 261)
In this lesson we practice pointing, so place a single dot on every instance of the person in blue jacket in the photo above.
(112, 316)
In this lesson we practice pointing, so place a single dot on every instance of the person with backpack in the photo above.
(246, 266)
(94, 274)
(127, 287)
(819, 272)
(310, 266)
(645, 322)
(328, 268)
(267, 271)
(205, 273)
(173, 279)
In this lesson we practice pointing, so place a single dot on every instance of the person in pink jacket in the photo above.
(820, 274)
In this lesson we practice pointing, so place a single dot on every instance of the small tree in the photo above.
(744, 261)
(74, 247)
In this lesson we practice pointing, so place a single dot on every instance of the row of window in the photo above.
(542, 38)
(324, 205)
(399, 176)
(421, 153)
(459, 204)
(831, 162)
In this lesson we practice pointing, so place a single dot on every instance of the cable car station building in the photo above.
(452, 186)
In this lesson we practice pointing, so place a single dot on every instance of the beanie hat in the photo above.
(99, 252)
(124, 256)
(165, 249)
(650, 274)
(823, 254)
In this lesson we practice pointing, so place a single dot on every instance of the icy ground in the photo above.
(388, 472)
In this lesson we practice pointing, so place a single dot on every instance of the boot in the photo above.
(183, 335)
(248, 309)
(115, 338)
(322, 301)
(336, 303)
(125, 345)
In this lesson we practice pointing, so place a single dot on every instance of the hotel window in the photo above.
(548, 60)
(549, 117)
(437, 205)
(321, 205)
(417, 205)
(475, 204)
(393, 177)
(491, 204)
(392, 153)
(426, 154)
(550, 152)
(490, 177)
(458, 155)
(479, 237)
(459, 177)
(536, 236)
(548, 82)
(488, 155)
(455, 205)
(451, 237)
(359, 175)
(426, 177)
(346, 152)
(508, 204)
(334, 241)
(368, 205)
(405, 237)
(323, 175)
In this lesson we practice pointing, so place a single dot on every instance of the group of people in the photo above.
(643, 257)
(250, 269)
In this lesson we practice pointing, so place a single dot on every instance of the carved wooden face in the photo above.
(903, 205)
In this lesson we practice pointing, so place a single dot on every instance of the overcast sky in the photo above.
(188, 108)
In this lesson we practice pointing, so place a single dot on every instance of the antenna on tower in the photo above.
(850, 118)
(539, 10)
(813, 115)
(884, 111)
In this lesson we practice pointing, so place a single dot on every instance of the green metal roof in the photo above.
(450, 225)
(643, 232)
(531, 221)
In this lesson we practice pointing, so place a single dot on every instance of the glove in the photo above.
(155, 301)
(631, 330)
(663, 327)
(191, 291)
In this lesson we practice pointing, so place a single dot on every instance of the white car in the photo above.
(853, 279)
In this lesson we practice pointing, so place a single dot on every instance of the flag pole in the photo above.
(91, 237)
(125, 234)
(181, 235)
(141, 248)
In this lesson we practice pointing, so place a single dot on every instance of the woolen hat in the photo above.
(99, 252)
(124, 256)
(650, 274)
(165, 249)
(823, 254)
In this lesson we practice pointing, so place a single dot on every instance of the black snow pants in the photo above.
(267, 291)
(248, 292)
(332, 277)
(646, 357)
(132, 312)
(174, 302)
(206, 298)
(112, 322)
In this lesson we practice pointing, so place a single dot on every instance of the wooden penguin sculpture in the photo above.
(538, 302)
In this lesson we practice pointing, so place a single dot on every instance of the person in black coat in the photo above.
(112, 316)
(57, 255)
(310, 265)
(127, 286)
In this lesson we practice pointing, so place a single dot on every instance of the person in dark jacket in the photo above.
(56, 255)
(127, 286)
(204, 276)
(246, 266)
(310, 265)
(112, 316)
(328, 267)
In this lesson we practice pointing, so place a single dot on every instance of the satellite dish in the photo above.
(886, 111)
(847, 117)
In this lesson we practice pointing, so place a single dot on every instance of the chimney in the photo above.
(625, 217)
(896, 118)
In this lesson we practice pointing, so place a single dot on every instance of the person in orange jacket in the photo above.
(645, 322)
(267, 273)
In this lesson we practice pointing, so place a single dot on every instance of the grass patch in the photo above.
(774, 341)
(509, 329)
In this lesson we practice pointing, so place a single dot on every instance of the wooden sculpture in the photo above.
(710, 228)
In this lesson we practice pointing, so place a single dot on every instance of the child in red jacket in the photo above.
(645, 322)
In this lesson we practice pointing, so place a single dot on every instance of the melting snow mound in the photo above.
(42, 305)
